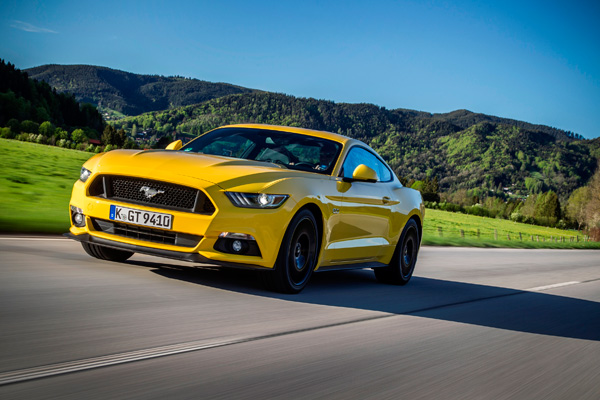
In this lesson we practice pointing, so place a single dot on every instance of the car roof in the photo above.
(303, 131)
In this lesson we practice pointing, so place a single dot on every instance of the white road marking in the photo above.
(556, 285)
(32, 238)
(44, 371)
(103, 361)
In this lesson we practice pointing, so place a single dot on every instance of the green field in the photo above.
(35, 186)
(36, 182)
(444, 228)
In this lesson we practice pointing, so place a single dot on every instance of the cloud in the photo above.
(27, 27)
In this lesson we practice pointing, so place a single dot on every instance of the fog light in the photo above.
(236, 246)
(237, 243)
(77, 217)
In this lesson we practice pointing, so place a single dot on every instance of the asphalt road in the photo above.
(472, 324)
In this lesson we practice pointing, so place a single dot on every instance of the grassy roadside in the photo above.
(443, 228)
(36, 182)
(35, 186)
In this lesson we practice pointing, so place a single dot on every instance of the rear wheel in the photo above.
(106, 253)
(401, 268)
(297, 256)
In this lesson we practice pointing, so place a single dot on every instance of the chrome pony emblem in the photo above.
(150, 192)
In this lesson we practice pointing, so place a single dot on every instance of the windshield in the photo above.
(292, 150)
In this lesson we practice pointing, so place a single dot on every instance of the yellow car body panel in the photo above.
(359, 221)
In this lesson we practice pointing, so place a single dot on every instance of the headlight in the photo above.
(85, 174)
(256, 200)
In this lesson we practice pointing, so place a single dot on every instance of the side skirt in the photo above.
(372, 264)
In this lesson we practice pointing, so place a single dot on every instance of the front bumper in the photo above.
(266, 226)
(175, 255)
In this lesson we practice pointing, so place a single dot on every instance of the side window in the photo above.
(357, 156)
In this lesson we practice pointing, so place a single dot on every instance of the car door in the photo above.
(363, 230)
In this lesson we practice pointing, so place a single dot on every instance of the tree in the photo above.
(533, 185)
(167, 128)
(576, 205)
(119, 138)
(78, 136)
(528, 208)
(14, 125)
(429, 189)
(108, 136)
(417, 185)
(592, 209)
(130, 144)
(46, 129)
(41, 114)
(61, 134)
(28, 126)
(547, 208)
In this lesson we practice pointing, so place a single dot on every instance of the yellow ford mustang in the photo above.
(287, 201)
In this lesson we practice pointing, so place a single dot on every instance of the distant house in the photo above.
(94, 141)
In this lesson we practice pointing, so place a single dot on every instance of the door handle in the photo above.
(386, 199)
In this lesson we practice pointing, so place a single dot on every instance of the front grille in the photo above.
(145, 234)
(151, 192)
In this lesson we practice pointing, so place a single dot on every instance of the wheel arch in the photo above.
(318, 214)
(419, 223)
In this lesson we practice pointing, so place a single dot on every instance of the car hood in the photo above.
(225, 172)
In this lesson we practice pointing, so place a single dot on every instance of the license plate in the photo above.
(141, 217)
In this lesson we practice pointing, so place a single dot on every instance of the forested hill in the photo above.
(128, 93)
(477, 154)
(465, 119)
(24, 99)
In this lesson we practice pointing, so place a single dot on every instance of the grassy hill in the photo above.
(128, 93)
(36, 182)
(35, 186)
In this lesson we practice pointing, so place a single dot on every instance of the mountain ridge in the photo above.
(133, 94)
(126, 92)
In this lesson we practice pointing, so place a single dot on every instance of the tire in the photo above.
(402, 266)
(297, 256)
(106, 253)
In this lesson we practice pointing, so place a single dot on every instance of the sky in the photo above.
(535, 61)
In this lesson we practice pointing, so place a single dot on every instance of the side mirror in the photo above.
(364, 173)
(176, 145)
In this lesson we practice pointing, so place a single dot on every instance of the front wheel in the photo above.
(297, 256)
(106, 253)
(402, 266)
